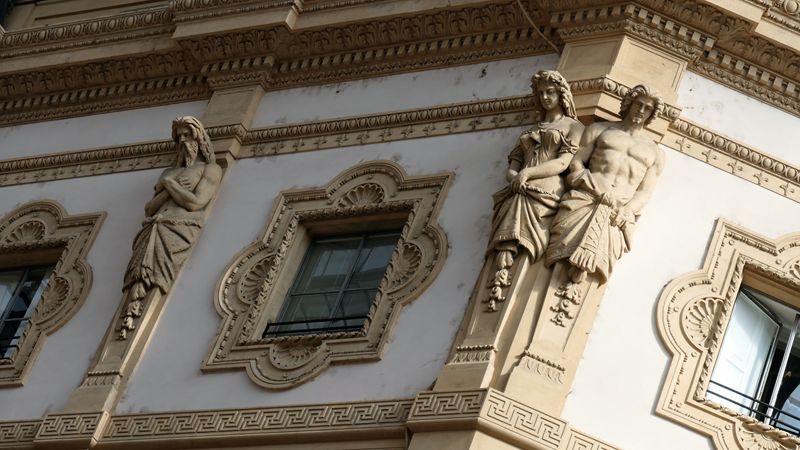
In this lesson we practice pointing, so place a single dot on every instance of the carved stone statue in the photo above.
(175, 217)
(611, 178)
(523, 209)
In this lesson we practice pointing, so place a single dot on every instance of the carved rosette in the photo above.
(44, 229)
(252, 289)
(693, 313)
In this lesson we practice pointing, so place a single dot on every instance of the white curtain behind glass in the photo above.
(744, 354)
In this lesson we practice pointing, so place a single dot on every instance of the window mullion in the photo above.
(340, 295)
(779, 380)
(765, 370)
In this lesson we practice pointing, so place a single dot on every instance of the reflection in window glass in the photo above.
(20, 291)
(336, 284)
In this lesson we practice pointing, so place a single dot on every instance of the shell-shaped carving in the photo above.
(794, 269)
(362, 195)
(30, 231)
(404, 264)
(699, 319)
(252, 282)
(295, 353)
(54, 296)
(758, 441)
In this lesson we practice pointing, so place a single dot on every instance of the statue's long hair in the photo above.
(637, 91)
(564, 93)
(205, 149)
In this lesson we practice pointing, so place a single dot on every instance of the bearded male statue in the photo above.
(611, 179)
(175, 217)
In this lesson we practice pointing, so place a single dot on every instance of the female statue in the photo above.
(524, 209)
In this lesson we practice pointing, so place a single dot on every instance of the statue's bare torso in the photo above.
(620, 161)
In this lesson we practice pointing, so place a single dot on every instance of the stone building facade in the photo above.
(565, 252)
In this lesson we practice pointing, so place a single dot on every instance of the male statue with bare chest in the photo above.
(175, 216)
(612, 176)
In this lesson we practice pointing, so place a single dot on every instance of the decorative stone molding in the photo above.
(100, 99)
(717, 43)
(251, 292)
(693, 313)
(44, 228)
(384, 419)
(120, 27)
(499, 415)
(683, 135)
(735, 158)
(17, 435)
(260, 422)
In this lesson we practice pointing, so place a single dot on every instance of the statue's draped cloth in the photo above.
(524, 217)
(159, 250)
(582, 231)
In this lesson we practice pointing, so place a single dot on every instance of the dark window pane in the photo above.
(19, 300)
(336, 284)
(9, 279)
(326, 266)
(372, 261)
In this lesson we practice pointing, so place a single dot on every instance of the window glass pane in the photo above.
(743, 355)
(310, 307)
(19, 309)
(326, 265)
(356, 304)
(372, 261)
(29, 293)
(336, 284)
(8, 282)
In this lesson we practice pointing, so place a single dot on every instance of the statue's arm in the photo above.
(514, 163)
(197, 200)
(156, 202)
(648, 183)
(586, 147)
(561, 162)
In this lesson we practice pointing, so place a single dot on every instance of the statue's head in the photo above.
(191, 139)
(549, 86)
(642, 104)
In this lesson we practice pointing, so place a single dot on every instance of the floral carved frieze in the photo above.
(44, 228)
(250, 293)
(692, 315)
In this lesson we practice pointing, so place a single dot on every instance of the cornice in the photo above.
(126, 26)
(717, 44)
(692, 139)
(101, 99)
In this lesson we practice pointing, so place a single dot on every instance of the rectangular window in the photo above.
(336, 284)
(20, 290)
(757, 372)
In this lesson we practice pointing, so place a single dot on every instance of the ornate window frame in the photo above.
(42, 232)
(372, 195)
(693, 313)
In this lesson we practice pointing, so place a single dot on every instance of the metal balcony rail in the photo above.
(767, 417)
(278, 328)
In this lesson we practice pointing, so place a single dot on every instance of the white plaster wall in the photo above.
(405, 91)
(743, 118)
(99, 130)
(169, 376)
(622, 371)
(66, 354)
